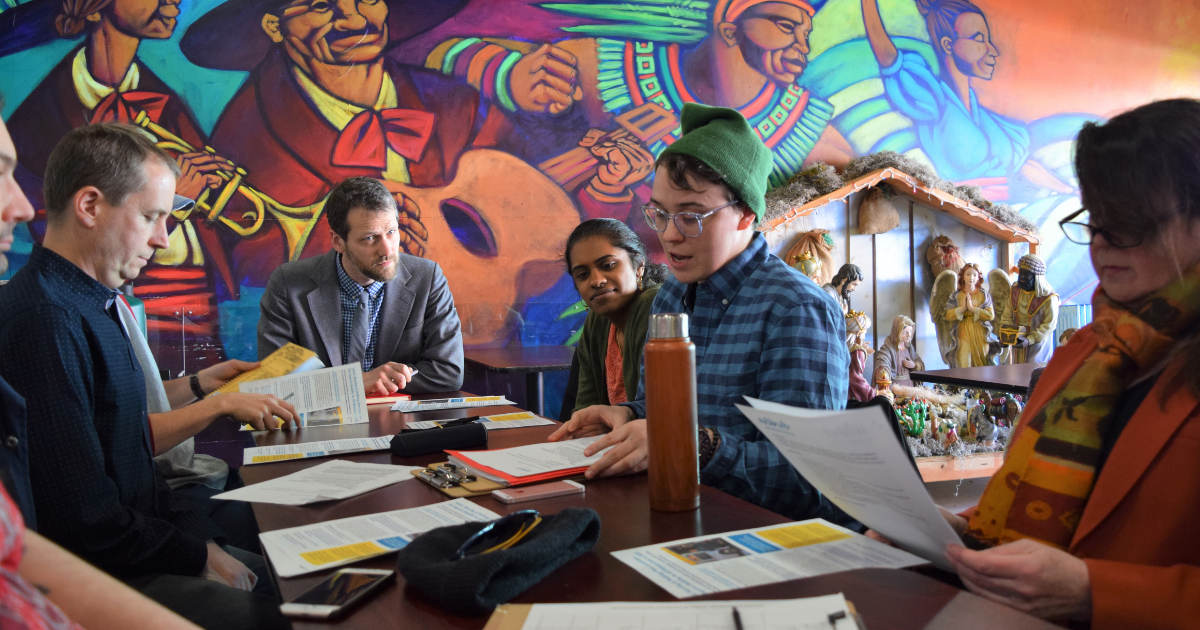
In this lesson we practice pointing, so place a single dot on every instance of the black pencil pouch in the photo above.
(414, 443)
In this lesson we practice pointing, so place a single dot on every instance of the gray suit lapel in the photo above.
(397, 306)
(325, 305)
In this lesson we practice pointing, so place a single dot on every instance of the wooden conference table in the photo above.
(886, 598)
(1005, 378)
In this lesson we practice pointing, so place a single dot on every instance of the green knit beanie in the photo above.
(722, 139)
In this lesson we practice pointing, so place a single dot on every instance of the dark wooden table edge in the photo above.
(920, 377)
(527, 369)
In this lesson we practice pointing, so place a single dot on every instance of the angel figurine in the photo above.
(962, 313)
(897, 356)
(857, 324)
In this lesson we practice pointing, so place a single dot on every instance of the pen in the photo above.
(737, 619)
(457, 421)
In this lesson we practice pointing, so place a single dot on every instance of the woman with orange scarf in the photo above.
(1093, 516)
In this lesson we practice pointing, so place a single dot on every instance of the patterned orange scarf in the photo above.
(1050, 467)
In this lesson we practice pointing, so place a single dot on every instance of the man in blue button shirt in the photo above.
(96, 489)
(761, 328)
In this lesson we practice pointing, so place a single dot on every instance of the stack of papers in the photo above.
(387, 399)
(437, 404)
(328, 482)
(324, 448)
(754, 557)
(529, 464)
(299, 550)
(500, 421)
(815, 613)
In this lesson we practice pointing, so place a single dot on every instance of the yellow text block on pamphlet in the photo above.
(343, 553)
(802, 535)
(508, 417)
(282, 362)
(262, 459)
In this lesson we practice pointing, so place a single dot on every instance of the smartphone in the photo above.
(540, 491)
(337, 594)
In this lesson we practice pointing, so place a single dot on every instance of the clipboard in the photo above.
(476, 488)
(513, 616)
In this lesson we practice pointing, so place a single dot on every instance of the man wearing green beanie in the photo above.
(761, 328)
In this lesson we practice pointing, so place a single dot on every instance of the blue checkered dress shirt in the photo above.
(349, 292)
(761, 329)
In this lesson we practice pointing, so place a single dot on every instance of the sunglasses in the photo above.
(502, 533)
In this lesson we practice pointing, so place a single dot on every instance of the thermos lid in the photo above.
(668, 325)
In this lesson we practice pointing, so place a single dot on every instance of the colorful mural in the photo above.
(501, 124)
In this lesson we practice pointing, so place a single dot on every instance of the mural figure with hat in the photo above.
(324, 103)
(1033, 308)
(743, 54)
(102, 80)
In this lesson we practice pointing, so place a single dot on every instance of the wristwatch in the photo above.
(194, 381)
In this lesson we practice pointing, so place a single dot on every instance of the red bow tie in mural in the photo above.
(122, 107)
(364, 142)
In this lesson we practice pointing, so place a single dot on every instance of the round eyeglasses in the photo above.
(688, 223)
(1084, 233)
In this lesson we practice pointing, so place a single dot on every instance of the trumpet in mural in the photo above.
(297, 221)
(103, 80)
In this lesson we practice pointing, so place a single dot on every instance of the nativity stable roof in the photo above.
(911, 187)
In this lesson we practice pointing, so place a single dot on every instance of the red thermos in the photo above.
(671, 421)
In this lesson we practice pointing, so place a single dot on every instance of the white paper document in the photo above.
(853, 458)
(299, 550)
(765, 555)
(327, 397)
(491, 423)
(811, 613)
(337, 479)
(436, 404)
(304, 450)
(537, 459)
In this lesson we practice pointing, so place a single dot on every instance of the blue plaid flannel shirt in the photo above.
(349, 294)
(765, 330)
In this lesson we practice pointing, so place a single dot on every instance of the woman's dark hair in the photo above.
(1140, 169)
(620, 236)
(940, 16)
(1136, 172)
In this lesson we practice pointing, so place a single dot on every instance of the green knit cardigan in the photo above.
(593, 347)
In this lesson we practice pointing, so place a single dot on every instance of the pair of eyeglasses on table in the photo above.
(503, 533)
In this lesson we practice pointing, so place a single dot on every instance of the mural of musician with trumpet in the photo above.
(103, 81)
(324, 103)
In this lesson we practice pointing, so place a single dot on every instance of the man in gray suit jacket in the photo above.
(366, 302)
